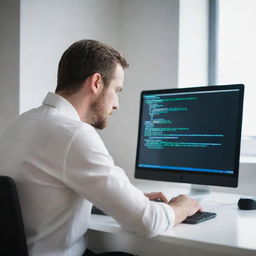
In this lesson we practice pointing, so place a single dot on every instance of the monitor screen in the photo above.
(190, 135)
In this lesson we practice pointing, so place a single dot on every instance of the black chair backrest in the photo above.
(12, 234)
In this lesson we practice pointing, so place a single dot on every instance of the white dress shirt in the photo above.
(61, 167)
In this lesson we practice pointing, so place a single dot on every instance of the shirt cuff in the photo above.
(170, 214)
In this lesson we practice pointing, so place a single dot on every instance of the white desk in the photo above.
(232, 232)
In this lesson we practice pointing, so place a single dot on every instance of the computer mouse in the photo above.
(247, 203)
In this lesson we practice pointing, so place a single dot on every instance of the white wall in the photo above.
(9, 61)
(48, 27)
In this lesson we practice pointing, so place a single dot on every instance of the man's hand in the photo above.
(157, 196)
(183, 207)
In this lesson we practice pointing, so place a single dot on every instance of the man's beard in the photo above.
(100, 122)
(98, 115)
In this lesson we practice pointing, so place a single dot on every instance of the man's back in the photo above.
(33, 152)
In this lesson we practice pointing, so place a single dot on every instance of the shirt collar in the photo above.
(65, 107)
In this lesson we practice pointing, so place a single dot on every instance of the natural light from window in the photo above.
(236, 53)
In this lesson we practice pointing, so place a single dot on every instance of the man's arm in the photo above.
(90, 171)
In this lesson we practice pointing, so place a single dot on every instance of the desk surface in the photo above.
(232, 231)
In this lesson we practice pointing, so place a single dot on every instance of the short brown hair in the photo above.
(84, 58)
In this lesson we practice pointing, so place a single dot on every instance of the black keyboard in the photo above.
(199, 217)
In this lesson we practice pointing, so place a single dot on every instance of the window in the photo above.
(236, 53)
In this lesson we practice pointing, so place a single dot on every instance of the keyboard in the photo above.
(199, 217)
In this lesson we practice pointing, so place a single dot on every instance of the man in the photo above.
(62, 167)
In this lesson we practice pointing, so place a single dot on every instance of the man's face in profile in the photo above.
(107, 101)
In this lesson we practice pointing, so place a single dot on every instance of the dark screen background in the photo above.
(196, 130)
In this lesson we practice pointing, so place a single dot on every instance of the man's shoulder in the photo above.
(54, 121)
(68, 125)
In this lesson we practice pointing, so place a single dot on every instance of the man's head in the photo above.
(90, 74)
(84, 58)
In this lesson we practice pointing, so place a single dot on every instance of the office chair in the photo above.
(12, 234)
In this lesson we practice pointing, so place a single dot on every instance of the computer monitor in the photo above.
(190, 135)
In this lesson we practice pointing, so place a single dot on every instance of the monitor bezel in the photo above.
(226, 180)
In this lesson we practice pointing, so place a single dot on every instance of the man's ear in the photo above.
(95, 83)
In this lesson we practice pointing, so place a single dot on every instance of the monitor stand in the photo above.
(199, 192)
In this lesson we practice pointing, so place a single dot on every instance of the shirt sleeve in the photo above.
(90, 171)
